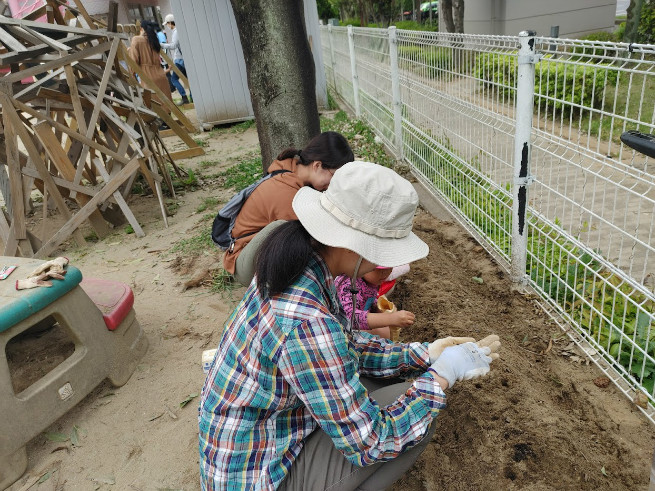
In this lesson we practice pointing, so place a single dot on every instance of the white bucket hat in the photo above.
(367, 209)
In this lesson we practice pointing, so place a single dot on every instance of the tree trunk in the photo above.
(416, 11)
(281, 73)
(458, 15)
(447, 14)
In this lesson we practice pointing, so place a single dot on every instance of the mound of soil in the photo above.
(542, 418)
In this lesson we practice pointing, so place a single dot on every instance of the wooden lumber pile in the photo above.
(77, 126)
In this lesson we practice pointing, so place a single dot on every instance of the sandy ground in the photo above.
(538, 421)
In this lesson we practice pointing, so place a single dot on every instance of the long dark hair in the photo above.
(151, 34)
(283, 256)
(330, 148)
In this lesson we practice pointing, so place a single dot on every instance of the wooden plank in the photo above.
(35, 156)
(75, 98)
(22, 34)
(120, 200)
(186, 138)
(96, 109)
(13, 168)
(10, 42)
(58, 28)
(4, 227)
(189, 152)
(72, 133)
(81, 215)
(67, 170)
(35, 51)
(62, 184)
(51, 65)
(53, 43)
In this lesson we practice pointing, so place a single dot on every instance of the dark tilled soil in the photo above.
(538, 420)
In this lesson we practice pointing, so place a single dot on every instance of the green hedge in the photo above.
(612, 313)
(437, 60)
(565, 83)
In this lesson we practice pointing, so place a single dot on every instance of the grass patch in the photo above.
(206, 164)
(190, 182)
(195, 244)
(201, 142)
(243, 174)
(222, 282)
(233, 128)
(360, 136)
(209, 202)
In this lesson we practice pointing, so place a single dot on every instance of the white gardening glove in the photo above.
(493, 343)
(54, 266)
(436, 347)
(464, 362)
(34, 281)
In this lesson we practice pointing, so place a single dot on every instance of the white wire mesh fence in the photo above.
(449, 105)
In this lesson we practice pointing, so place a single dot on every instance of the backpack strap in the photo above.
(234, 239)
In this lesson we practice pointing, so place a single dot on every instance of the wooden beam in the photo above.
(33, 52)
(10, 41)
(34, 155)
(62, 184)
(87, 209)
(51, 65)
(65, 167)
(72, 133)
(120, 200)
(13, 168)
(188, 153)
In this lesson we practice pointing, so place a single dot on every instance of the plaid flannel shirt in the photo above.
(285, 366)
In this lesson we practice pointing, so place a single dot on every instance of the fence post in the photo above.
(353, 70)
(334, 71)
(523, 131)
(395, 92)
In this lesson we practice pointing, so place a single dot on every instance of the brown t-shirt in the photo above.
(270, 201)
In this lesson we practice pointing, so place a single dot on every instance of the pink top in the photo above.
(366, 299)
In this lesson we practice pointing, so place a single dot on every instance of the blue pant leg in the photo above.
(180, 64)
(175, 80)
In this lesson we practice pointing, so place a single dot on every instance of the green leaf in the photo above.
(56, 437)
(45, 477)
(602, 469)
(188, 399)
(477, 279)
(75, 440)
(643, 324)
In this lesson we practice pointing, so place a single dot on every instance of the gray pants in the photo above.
(244, 268)
(320, 466)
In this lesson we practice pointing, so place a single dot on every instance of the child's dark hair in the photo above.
(283, 256)
(153, 40)
(330, 148)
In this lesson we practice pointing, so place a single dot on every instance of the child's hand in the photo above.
(402, 318)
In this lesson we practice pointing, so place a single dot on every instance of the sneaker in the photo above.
(185, 100)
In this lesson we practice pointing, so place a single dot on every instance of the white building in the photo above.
(509, 17)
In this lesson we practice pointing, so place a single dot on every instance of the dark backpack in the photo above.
(224, 221)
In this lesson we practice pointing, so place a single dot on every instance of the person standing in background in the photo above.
(176, 54)
(161, 35)
(144, 50)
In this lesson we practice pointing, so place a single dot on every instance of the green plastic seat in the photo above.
(18, 305)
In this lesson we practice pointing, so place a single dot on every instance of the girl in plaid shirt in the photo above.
(295, 398)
